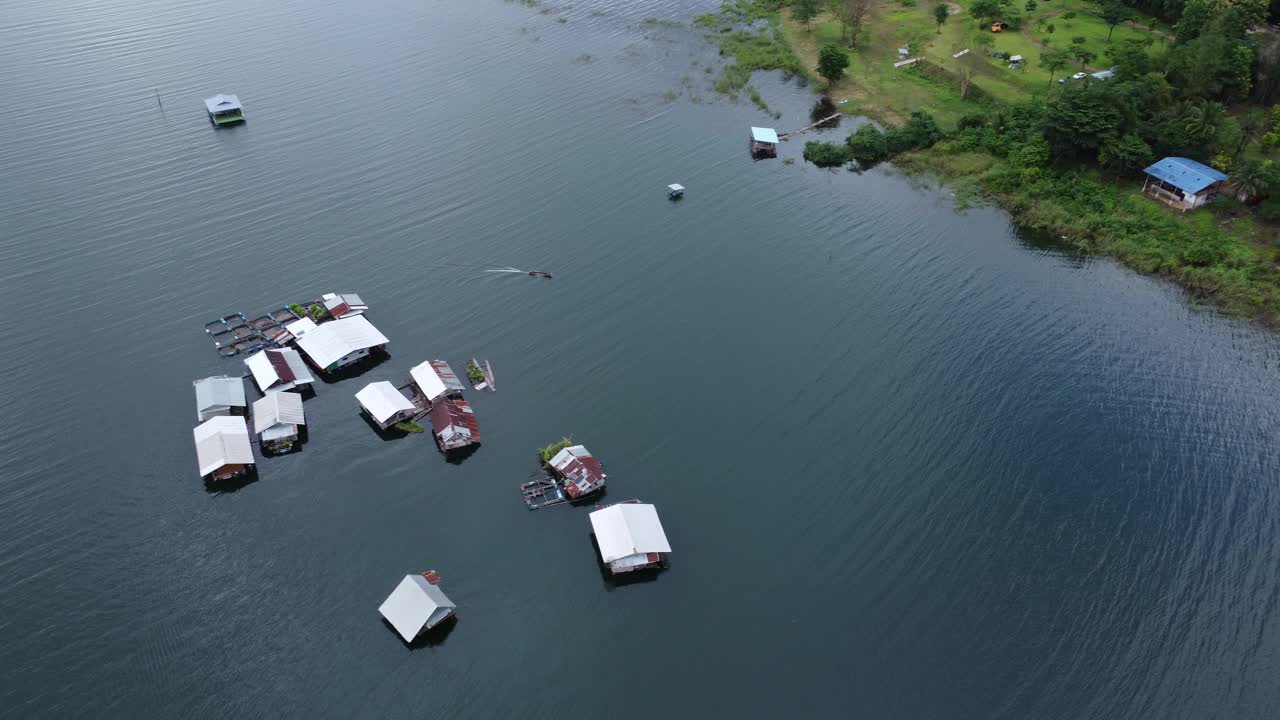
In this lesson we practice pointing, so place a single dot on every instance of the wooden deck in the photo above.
(542, 492)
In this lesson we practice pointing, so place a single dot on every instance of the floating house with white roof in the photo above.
(219, 395)
(630, 537)
(417, 605)
(338, 343)
(276, 418)
(224, 109)
(276, 370)
(222, 447)
(385, 405)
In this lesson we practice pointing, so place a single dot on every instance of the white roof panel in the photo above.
(300, 327)
(428, 380)
(216, 394)
(222, 440)
(415, 604)
(330, 341)
(222, 103)
(279, 408)
(628, 529)
(764, 135)
(382, 400)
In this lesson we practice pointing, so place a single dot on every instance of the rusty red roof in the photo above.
(281, 365)
(454, 424)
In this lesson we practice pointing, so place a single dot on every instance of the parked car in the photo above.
(1079, 76)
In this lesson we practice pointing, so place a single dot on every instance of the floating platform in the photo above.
(486, 370)
(232, 335)
(235, 334)
(543, 492)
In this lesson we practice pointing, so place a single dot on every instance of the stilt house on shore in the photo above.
(630, 537)
(338, 343)
(385, 405)
(578, 471)
(434, 380)
(222, 448)
(277, 370)
(417, 605)
(219, 395)
(453, 423)
(276, 418)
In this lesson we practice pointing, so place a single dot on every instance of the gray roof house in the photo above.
(219, 395)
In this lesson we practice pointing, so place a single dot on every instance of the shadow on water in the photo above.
(635, 577)
(226, 487)
(457, 457)
(435, 637)
(391, 433)
(824, 108)
(1042, 241)
(356, 369)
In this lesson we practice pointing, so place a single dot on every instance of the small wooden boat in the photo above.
(539, 273)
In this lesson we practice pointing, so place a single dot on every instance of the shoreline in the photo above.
(1220, 255)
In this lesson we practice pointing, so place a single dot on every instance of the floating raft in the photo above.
(543, 492)
(232, 335)
(235, 334)
(488, 382)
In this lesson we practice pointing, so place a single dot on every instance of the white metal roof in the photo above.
(415, 604)
(764, 135)
(675, 187)
(428, 380)
(300, 327)
(222, 103)
(628, 529)
(330, 341)
(222, 440)
(265, 375)
(382, 400)
(217, 394)
(278, 408)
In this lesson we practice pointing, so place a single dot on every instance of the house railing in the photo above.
(1166, 197)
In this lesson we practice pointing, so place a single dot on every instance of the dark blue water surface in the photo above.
(911, 466)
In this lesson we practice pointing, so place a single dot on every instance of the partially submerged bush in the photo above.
(827, 154)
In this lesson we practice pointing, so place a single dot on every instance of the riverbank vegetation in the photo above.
(548, 452)
(1192, 78)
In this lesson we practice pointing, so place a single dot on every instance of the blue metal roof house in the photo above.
(1182, 183)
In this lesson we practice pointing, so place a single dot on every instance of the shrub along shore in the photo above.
(1065, 161)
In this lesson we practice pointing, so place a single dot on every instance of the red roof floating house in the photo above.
(453, 423)
(579, 471)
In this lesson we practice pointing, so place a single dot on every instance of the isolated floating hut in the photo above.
(416, 606)
(276, 418)
(339, 343)
(764, 141)
(277, 370)
(578, 471)
(435, 379)
(675, 191)
(454, 424)
(219, 395)
(224, 109)
(222, 447)
(630, 537)
(343, 305)
(384, 404)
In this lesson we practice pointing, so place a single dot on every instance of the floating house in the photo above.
(343, 305)
(764, 141)
(219, 395)
(417, 605)
(1182, 183)
(276, 418)
(630, 537)
(224, 109)
(277, 370)
(675, 191)
(454, 424)
(435, 380)
(385, 405)
(339, 343)
(578, 471)
(222, 447)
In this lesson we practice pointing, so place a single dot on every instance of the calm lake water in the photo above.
(911, 465)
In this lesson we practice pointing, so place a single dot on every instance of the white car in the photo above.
(1079, 76)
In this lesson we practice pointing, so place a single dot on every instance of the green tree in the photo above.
(1051, 60)
(987, 10)
(804, 11)
(1113, 13)
(1083, 116)
(827, 154)
(1252, 123)
(1125, 154)
(1195, 16)
(921, 131)
(831, 63)
(1031, 5)
(1202, 121)
(940, 14)
(1131, 58)
(1080, 55)
(1034, 153)
(1049, 29)
(1079, 40)
(1253, 180)
(868, 145)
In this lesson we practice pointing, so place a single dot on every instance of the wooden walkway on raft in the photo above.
(807, 128)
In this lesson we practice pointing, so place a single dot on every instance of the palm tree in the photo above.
(1252, 179)
(1202, 120)
(1252, 124)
